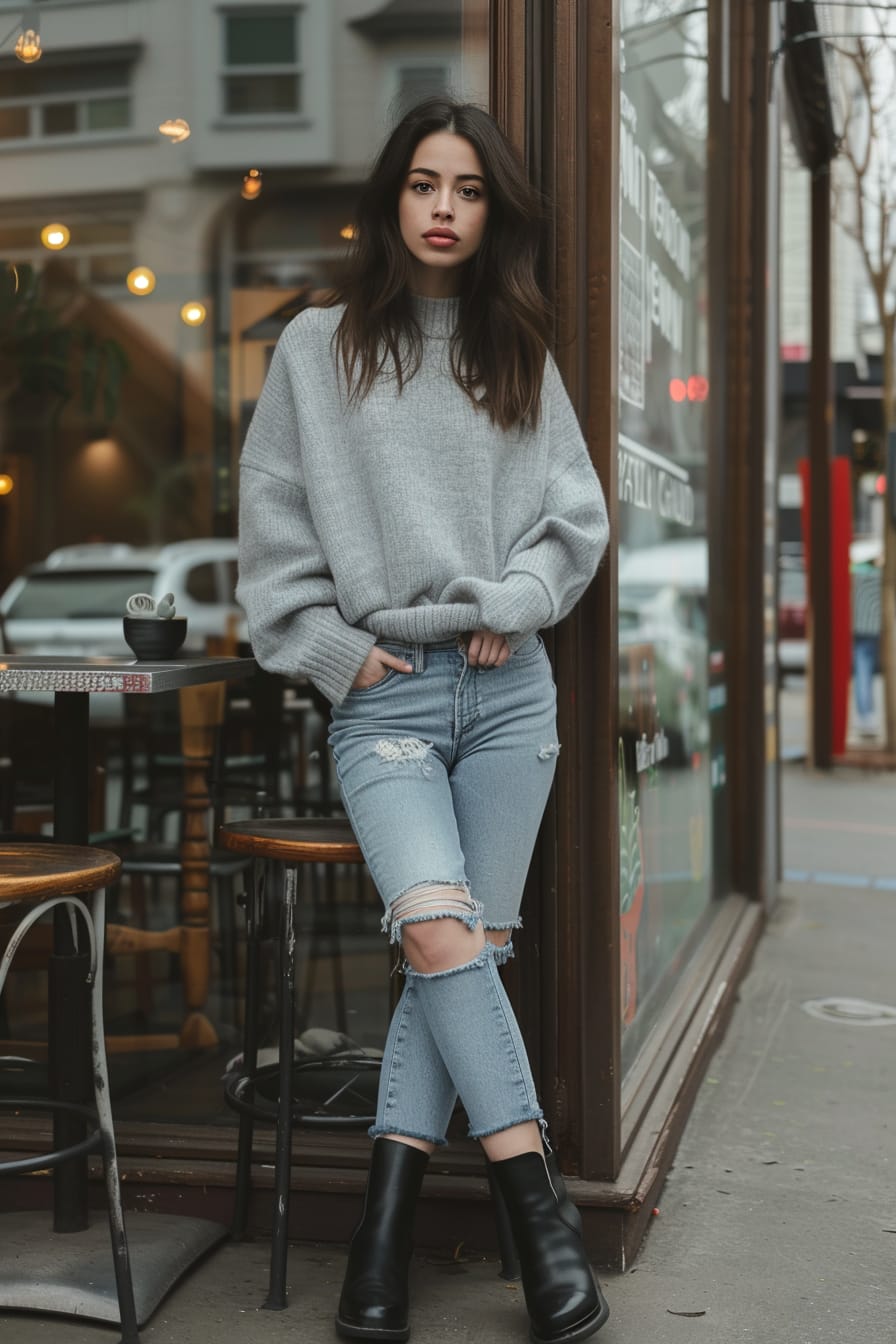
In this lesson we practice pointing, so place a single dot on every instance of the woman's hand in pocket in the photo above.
(375, 666)
(486, 649)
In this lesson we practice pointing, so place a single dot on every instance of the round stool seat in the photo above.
(35, 872)
(294, 839)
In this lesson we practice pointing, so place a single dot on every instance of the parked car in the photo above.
(73, 602)
(663, 649)
(792, 600)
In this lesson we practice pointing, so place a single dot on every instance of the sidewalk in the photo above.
(778, 1220)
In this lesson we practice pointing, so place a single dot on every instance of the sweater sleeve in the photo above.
(285, 585)
(553, 562)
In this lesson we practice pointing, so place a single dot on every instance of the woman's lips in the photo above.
(440, 240)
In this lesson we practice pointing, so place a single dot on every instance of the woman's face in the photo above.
(442, 211)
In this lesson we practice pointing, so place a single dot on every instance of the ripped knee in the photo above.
(425, 919)
(502, 940)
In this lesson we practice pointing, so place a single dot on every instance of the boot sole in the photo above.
(348, 1331)
(582, 1330)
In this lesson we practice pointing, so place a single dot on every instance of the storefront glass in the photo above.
(667, 772)
(179, 182)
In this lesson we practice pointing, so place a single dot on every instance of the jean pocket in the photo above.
(391, 674)
(529, 650)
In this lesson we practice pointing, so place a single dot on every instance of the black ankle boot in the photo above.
(374, 1299)
(562, 1298)
(568, 1211)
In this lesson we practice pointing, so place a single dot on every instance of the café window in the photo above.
(144, 451)
(99, 255)
(262, 74)
(87, 98)
(670, 770)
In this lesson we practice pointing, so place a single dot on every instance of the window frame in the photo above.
(417, 61)
(82, 134)
(227, 72)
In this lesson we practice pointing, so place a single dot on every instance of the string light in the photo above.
(6, 484)
(175, 130)
(348, 232)
(193, 313)
(55, 237)
(28, 48)
(141, 280)
(251, 184)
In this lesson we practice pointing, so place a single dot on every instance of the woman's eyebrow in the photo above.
(461, 177)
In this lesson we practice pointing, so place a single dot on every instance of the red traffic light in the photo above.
(677, 389)
(698, 387)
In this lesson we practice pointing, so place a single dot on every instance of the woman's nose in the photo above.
(443, 207)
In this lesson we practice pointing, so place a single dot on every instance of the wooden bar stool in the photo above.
(280, 846)
(35, 878)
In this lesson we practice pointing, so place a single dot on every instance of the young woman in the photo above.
(416, 503)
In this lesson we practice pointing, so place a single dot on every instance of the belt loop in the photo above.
(418, 658)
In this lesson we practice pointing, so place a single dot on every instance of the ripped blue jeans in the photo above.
(444, 774)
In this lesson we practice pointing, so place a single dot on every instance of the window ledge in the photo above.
(96, 140)
(249, 123)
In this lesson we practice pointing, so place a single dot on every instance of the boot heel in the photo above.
(510, 1265)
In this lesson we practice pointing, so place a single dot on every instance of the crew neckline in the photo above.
(436, 317)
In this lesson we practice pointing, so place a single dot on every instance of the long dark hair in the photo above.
(498, 349)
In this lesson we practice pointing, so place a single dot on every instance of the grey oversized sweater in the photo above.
(407, 516)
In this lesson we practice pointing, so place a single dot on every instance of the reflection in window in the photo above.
(416, 82)
(177, 400)
(264, 47)
(79, 594)
(59, 119)
(86, 97)
(669, 761)
(14, 123)
(201, 584)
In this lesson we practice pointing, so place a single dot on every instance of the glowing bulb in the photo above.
(251, 184)
(55, 236)
(141, 280)
(193, 313)
(6, 484)
(348, 232)
(28, 47)
(175, 129)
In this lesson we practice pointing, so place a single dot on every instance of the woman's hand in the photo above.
(375, 666)
(486, 649)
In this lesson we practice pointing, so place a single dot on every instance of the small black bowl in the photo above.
(152, 639)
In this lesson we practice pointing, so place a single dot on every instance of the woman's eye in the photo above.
(469, 193)
(416, 186)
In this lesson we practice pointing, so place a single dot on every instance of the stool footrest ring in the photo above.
(93, 1143)
(265, 1107)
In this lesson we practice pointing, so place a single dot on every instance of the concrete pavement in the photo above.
(778, 1220)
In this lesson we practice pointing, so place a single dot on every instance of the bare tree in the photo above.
(865, 208)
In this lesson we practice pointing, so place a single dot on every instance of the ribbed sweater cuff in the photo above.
(520, 605)
(334, 652)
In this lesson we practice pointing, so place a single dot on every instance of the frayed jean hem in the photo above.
(537, 1115)
(504, 952)
(378, 1132)
(488, 953)
(433, 902)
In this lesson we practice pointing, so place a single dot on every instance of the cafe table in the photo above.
(69, 1270)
